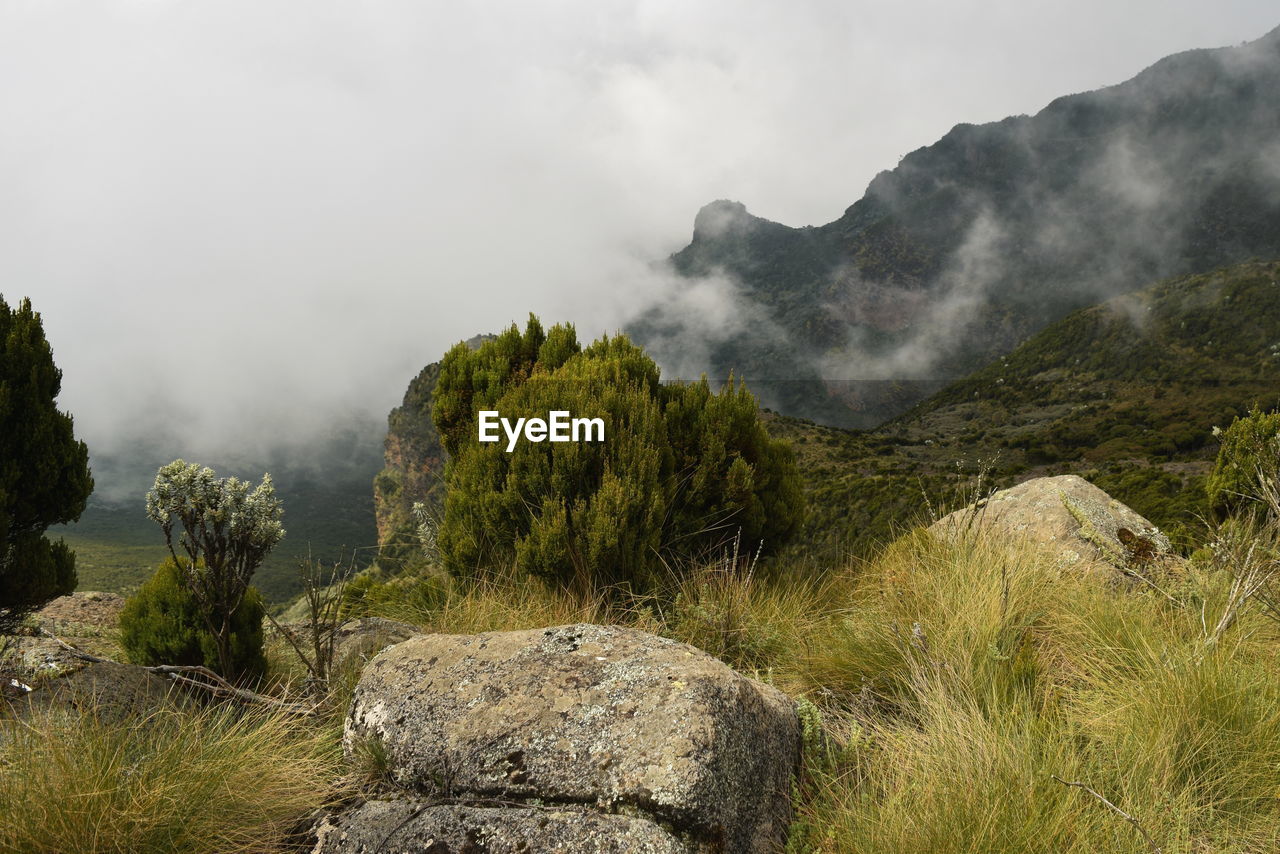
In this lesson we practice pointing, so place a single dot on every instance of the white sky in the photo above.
(245, 218)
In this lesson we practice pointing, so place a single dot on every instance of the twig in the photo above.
(222, 688)
(83, 656)
(1124, 815)
(182, 674)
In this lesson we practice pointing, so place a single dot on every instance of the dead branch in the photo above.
(207, 680)
(1124, 815)
(83, 656)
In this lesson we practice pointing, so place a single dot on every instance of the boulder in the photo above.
(81, 614)
(367, 636)
(583, 715)
(407, 827)
(107, 689)
(1074, 519)
(37, 658)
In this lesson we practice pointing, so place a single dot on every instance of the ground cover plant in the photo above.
(951, 690)
(182, 780)
(963, 687)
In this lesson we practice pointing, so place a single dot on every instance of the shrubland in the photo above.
(963, 693)
(961, 685)
(951, 690)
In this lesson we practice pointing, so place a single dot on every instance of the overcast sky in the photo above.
(245, 218)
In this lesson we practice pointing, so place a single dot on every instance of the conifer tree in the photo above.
(681, 472)
(44, 471)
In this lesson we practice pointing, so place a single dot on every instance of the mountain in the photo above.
(413, 468)
(975, 242)
(1125, 393)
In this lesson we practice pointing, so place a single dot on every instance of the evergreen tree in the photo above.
(1249, 454)
(681, 472)
(44, 471)
(162, 624)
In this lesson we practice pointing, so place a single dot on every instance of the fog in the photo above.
(244, 223)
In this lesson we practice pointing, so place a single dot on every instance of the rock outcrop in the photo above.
(1076, 520)
(107, 690)
(391, 827)
(366, 637)
(81, 614)
(639, 742)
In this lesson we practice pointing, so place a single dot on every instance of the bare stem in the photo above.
(1124, 815)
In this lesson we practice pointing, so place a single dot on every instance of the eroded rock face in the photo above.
(367, 636)
(605, 717)
(407, 827)
(107, 689)
(1073, 518)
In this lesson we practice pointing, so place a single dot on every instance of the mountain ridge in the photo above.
(980, 239)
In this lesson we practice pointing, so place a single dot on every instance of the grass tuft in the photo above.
(180, 780)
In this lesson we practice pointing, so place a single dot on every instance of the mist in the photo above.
(248, 225)
(981, 238)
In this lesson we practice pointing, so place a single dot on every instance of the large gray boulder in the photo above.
(409, 827)
(606, 717)
(1073, 519)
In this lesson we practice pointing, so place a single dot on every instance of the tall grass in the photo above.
(179, 780)
(964, 682)
(1015, 678)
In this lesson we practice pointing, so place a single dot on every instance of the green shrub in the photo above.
(682, 471)
(162, 624)
(44, 472)
(1248, 451)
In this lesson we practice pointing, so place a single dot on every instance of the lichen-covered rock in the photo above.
(84, 613)
(37, 658)
(367, 636)
(409, 827)
(106, 689)
(1074, 519)
(586, 714)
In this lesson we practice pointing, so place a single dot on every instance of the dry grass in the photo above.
(179, 780)
(956, 680)
(958, 683)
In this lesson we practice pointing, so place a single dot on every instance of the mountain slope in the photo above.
(973, 243)
(1125, 393)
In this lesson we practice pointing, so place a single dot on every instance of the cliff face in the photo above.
(413, 471)
(974, 243)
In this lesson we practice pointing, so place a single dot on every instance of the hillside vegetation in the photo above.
(952, 688)
(324, 485)
(1126, 394)
(971, 244)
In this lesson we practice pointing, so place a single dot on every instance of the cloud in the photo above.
(243, 222)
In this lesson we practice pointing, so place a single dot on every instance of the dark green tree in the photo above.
(44, 471)
(162, 624)
(1249, 453)
(682, 470)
